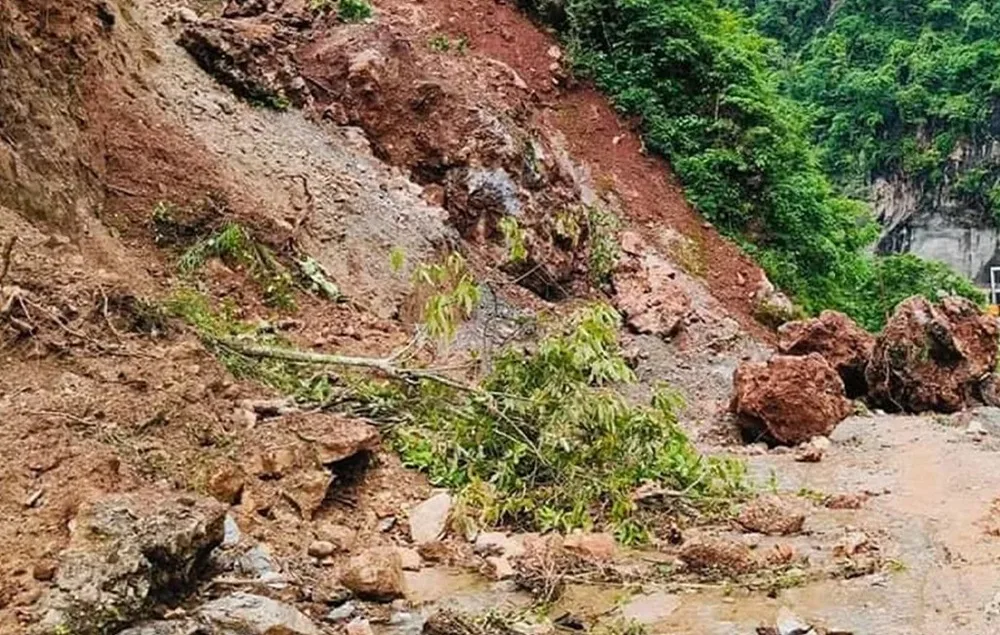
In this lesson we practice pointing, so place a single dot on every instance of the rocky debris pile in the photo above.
(789, 400)
(932, 356)
(842, 343)
(127, 553)
(647, 291)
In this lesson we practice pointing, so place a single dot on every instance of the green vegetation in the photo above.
(602, 234)
(513, 237)
(347, 10)
(234, 246)
(547, 443)
(442, 43)
(453, 295)
(893, 87)
(699, 78)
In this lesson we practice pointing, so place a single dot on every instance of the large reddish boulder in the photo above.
(932, 356)
(789, 399)
(845, 345)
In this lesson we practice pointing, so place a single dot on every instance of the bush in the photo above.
(549, 443)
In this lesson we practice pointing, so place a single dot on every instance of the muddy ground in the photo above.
(104, 118)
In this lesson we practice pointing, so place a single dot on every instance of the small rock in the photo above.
(846, 501)
(554, 52)
(500, 568)
(256, 615)
(854, 542)
(44, 571)
(409, 558)
(596, 546)
(386, 524)
(359, 627)
(257, 563)
(321, 549)
(340, 536)
(307, 490)
(375, 574)
(186, 15)
(726, 556)
(771, 515)
(231, 532)
(429, 519)
(226, 484)
(276, 463)
(975, 428)
(808, 454)
(789, 624)
(341, 613)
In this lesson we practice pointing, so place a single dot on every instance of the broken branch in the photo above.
(5, 260)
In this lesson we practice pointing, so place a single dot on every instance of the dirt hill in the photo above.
(342, 156)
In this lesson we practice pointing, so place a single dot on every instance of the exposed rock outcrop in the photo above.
(127, 553)
(932, 356)
(845, 345)
(789, 399)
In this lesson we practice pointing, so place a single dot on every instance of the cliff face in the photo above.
(939, 220)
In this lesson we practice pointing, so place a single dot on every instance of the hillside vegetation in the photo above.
(703, 82)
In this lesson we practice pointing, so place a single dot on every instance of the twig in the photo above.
(56, 413)
(384, 366)
(107, 318)
(5, 260)
(121, 190)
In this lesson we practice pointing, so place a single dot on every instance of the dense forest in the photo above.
(774, 114)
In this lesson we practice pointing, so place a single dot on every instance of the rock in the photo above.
(307, 490)
(257, 562)
(771, 515)
(185, 15)
(409, 559)
(854, 542)
(845, 501)
(842, 343)
(500, 568)
(340, 536)
(975, 428)
(250, 614)
(321, 549)
(779, 555)
(376, 574)
(226, 484)
(813, 451)
(772, 307)
(350, 439)
(788, 623)
(429, 518)
(647, 290)
(498, 543)
(44, 571)
(341, 613)
(276, 462)
(126, 553)
(932, 356)
(594, 546)
(359, 627)
(789, 399)
(163, 627)
(230, 532)
(554, 52)
(713, 554)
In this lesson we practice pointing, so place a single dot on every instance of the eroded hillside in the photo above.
(222, 228)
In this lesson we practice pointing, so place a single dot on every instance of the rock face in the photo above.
(376, 574)
(789, 399)
(932, 357)
(647, 292)
(845, 345)
(127, 553)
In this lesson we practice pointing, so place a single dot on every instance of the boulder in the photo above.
(647, 290)
(843, 344)
(789, 400)
(375, 574)
(932, 356)
(127, 553)
(250, 614)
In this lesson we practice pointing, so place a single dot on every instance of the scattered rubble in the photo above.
(789, 399)
(647, 292)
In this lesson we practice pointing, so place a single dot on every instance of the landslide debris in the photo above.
(842, 343)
